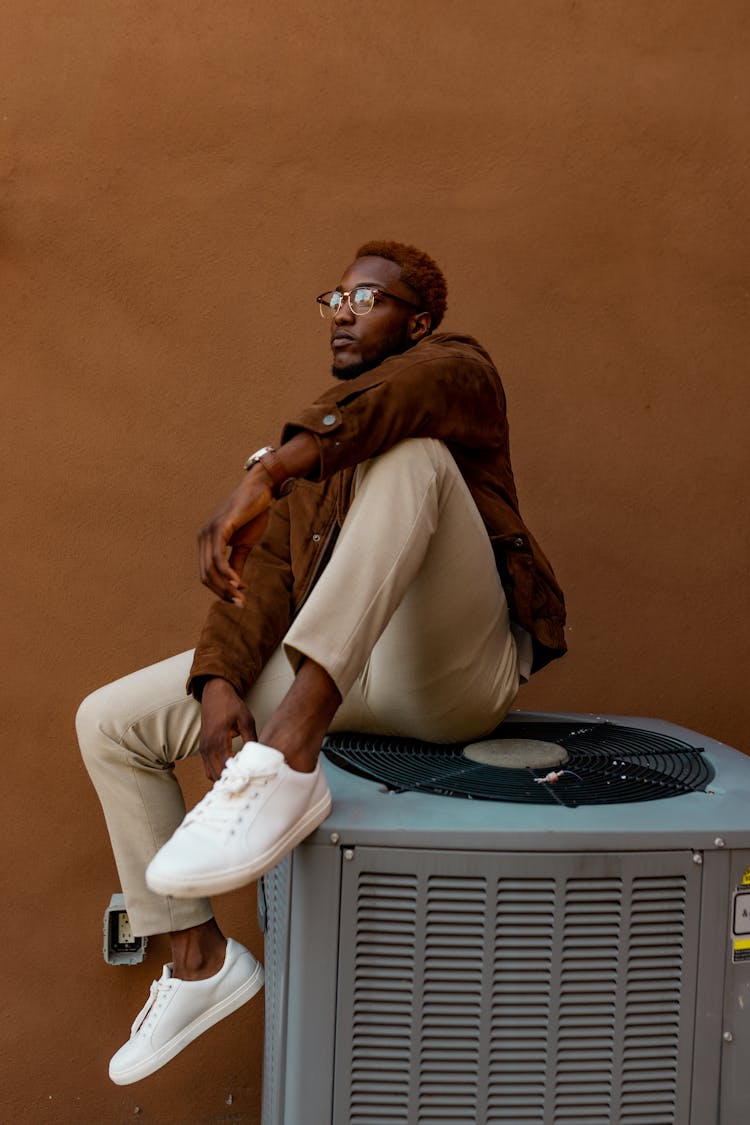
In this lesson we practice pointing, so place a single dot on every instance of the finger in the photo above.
(242, 543)
(219, 570)
(205, 554)
(220, 762)
(237, 560)
(215, 764)
(246, 728)
(216, 573)
(244, 539)
(208, 765)
(213, 757)
(222, 575)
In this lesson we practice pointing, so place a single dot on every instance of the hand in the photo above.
(239, 523)
(223, 716)
(241, 520)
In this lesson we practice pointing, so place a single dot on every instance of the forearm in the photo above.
(299, 456)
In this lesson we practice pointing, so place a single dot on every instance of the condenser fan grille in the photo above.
(607, 764)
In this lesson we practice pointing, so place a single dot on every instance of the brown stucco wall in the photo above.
(176, 181)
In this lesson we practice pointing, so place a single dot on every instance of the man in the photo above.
(380, 579)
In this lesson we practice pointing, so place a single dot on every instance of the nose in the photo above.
(343, 314)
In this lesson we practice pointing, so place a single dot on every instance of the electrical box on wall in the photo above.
(121, 947)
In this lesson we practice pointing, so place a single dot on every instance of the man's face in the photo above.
(359, 343)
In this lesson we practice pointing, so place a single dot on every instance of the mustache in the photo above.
(342, 334)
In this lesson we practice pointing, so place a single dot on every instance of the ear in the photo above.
(419, 326)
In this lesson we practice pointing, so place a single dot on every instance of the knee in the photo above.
(91, 723)
(424, 450)
(418, 458)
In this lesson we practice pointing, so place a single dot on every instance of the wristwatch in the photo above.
(274, 466)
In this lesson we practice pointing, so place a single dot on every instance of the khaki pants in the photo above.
(409, 619)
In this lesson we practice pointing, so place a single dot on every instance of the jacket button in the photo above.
(329, 419)
(316, 538)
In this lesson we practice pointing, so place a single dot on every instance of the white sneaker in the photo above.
(254, 815)
(178, 1011)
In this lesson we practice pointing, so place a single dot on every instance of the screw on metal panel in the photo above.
(348, 853)
(335, 837)
(728, 1037)
(719, 843)
(697, 857)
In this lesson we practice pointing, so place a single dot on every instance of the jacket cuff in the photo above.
(208, 666)
(326, 426)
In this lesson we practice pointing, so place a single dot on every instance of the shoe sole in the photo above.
(218, 1012)
(219, 882)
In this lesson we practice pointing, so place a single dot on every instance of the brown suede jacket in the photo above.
(444, 387)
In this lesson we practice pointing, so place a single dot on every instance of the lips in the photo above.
(341, 339)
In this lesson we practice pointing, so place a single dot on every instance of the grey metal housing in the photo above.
(432, 960)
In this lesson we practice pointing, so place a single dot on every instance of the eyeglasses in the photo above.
(360, 300)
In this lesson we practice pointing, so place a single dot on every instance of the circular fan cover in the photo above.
(607, 764)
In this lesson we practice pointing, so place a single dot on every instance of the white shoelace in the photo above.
(147, 1014)
(237, 777)
(237, 774)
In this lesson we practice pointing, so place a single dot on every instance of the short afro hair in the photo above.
(418, 271)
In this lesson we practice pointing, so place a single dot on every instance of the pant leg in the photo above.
(409, 618)
(131, 733)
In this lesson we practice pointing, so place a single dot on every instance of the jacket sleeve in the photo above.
(235, 642)
(438, 389)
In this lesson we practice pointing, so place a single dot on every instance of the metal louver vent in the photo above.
(382, 1010)
(658, 911)
(552, 998)
(524, 926)
(607, 764)
(452, 983)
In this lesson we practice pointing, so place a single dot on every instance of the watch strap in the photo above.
(277, 471)
(254, 458)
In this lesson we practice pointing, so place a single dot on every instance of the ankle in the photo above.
(302, 761)
(198, 952)
(299, 724)
(300, 747)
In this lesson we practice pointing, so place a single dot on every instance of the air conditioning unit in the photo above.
(467, 944)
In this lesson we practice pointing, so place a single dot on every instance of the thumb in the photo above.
(246, 727)
(244, 538)
(237, 559)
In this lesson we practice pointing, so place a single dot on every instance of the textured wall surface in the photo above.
(177, 181)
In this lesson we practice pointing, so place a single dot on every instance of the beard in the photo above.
(395, 345)
(353, 371)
